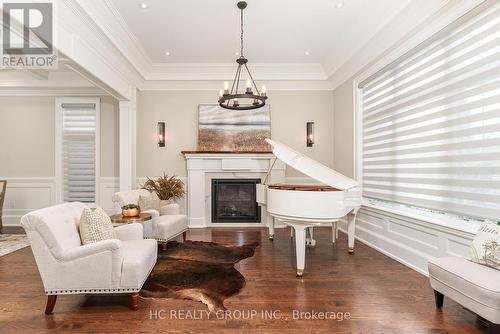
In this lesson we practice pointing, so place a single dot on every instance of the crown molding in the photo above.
(211, 85)
(225, 71)
(20, 78)
(52, 91)
(107, 17)
(415, 23)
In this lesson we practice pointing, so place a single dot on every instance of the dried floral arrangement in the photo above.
(165, 187)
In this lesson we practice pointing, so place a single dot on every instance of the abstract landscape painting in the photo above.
(221, 129)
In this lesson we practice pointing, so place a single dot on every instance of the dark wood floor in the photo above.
(380, 295)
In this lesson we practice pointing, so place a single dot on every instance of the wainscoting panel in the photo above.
(410, 241)
(107, 187)
(26, 194)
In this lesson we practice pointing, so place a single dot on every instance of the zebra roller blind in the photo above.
(79, 123)
(431, 121)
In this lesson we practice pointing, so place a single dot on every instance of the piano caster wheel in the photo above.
(300, 272)
(351, 250)
(271, 237)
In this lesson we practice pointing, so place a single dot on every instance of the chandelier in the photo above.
(233, 99)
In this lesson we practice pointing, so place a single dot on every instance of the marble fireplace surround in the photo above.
(202, 167)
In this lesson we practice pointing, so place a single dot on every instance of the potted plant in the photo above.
(167, 188)
(130, 210)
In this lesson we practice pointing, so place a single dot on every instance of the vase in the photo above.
(130, 212)
(165, 202)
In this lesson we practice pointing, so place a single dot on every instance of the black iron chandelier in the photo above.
(234, 100)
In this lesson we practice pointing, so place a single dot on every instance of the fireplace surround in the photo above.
(203, 167)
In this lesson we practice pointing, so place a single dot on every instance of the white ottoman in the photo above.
(474, 286)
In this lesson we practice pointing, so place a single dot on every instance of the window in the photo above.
(431, 121)
(77, 153)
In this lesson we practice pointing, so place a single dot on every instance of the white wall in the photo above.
(27, 136)
(290, 110)
(343, 130)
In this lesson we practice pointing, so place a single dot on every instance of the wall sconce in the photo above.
(161, 134)
(310, 134)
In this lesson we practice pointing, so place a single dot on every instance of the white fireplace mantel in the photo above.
(202, 167)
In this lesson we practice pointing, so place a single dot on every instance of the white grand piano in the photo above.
(305, 206)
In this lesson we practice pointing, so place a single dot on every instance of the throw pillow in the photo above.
(95, 225)
(151, 202)
(485, 248)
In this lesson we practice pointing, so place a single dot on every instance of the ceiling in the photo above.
(276, 31)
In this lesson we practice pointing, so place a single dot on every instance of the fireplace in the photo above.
(234, 200)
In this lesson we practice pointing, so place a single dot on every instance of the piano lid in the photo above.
(311, 167)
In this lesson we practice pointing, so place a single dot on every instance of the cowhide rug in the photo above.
(197, 270)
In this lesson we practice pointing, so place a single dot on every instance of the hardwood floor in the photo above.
(379, 294)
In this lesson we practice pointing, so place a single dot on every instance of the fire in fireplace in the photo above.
(234, 200)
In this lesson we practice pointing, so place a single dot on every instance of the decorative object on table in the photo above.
(166, 187)
(131, 210)
(249, 99)
(200, 271)
(119, 219)
(10, 243)
(95, 226)
(233, 131)
(485, 248)
(3, 188)
(161, 129)
(310, 134)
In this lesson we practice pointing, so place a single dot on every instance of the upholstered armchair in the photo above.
(66, 266)
(166, 224)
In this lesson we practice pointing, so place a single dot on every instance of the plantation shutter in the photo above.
(79, 122)
(431, 121)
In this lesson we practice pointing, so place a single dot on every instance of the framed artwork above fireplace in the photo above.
(224, 130)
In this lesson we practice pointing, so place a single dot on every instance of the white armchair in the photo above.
(66, 266)
(167, 223)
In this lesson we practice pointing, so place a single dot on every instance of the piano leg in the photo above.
(310, 241)
(270, 226)
(300, 248)
(334, 232)
(351, 228)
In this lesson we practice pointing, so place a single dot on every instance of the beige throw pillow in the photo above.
(95, 225)
(485, 248)
(151, 202)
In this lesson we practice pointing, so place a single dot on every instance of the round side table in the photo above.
(118, 219)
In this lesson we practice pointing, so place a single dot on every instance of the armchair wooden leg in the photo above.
(439, 298)
(184, 236)
(135, 301)
(51, 301)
